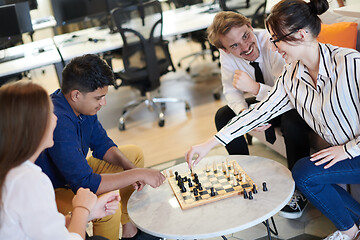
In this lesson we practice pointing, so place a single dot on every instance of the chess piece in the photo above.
(212, 193)
(171, 173)
(180, 181)
(200, 187)
(254, 189)
(183, 189)
(245, 194)
(185, 179)
(250, 195)
(264, 186)
(235, 183)
(234, 165)
(207, 168)
(223, 167)
(195, 192)
(236, 172)
(190, 183)
(243, 177)
(214, 167)
(176, 175)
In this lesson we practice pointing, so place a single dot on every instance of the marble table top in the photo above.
(157, 212)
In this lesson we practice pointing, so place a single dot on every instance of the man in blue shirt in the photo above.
(84, 86)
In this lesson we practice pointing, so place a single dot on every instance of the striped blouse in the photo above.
(331, 108)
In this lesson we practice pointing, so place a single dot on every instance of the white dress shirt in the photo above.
(271, 64)
(29, 210)
(331, 108)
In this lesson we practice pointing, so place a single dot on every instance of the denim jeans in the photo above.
(320, 187)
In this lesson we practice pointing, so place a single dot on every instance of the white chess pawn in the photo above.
(243, 178)
(214, 166)
(227, 174)
(235, 183)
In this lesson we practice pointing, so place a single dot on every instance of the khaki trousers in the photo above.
(108, 226)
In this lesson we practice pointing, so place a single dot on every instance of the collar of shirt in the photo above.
(32, 165)
(65, 108)
(324, 71)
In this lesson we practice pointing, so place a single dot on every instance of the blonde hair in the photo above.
(223, 22)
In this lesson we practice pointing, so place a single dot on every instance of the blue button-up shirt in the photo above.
(65, 163)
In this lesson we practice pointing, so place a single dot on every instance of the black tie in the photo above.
(270, 132)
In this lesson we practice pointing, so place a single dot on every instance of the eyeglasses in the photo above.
(281, 38)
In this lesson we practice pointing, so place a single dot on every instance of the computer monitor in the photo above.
(70, 11)
(32, 3)
(120, 3)
(15, 19)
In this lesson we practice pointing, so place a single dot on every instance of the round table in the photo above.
(157, 212)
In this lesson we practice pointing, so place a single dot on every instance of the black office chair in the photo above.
(258, 18)
(233, 5)
(145, 56)
(197, 36)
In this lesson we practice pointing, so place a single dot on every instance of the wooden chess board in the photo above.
(221, 176)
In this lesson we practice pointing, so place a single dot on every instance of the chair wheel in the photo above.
(216, 96)
(161, 123)
(163, 106)
(187, 107)
(122, 126)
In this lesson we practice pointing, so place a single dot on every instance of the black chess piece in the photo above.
(212, 193)
(185, 179)
(264, 186)
(250, 195)
(196, 180)
(254, 189)
(183, 189)
(180, 181)
(190, 183)
(196, 192)
(176, 175)
(199, 187)
(245, 194)
(195, 176)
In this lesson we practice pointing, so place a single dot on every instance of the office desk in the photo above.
(157, 212)
(175, 22)
(351, 10)
(187, 19)
(88, 41)
(36, 54)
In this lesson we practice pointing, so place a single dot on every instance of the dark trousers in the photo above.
(294, 129)
(95, 238)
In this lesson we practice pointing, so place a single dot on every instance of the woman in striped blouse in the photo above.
(322, 83)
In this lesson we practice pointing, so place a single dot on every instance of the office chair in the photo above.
(197, 36)
(145, 56)
(225, 6)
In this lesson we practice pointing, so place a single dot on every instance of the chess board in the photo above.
(221, 176)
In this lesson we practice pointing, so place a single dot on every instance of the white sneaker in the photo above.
(337, 236)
